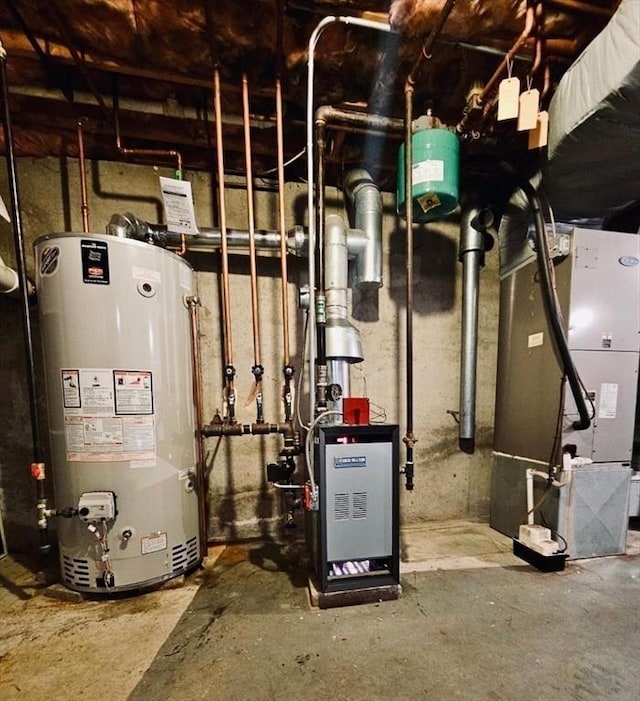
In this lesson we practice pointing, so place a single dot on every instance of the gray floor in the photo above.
(473, 623)
(485, 633)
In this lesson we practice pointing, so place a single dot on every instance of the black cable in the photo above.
(553, 313)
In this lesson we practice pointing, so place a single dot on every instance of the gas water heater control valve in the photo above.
(97, 506)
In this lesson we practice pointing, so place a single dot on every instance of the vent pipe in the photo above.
(473, 243)
(366, 202)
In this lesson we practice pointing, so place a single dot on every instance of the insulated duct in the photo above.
(594, 124)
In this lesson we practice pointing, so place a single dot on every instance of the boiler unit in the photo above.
(353, 534)
(598, 285)
(115, 328)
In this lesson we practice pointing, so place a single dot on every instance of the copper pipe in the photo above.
(431, 39)
(201, 478)
(529, 26)
(84, 207)
(409, 438)
(229, 371)
(540, 40)
(282, 226)
(251, 219)
(143, 152)
(183, 245)
(584, 7)
(506, 61)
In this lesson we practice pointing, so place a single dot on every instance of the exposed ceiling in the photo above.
(68, 58)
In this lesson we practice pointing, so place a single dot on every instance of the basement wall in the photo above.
(449, 484)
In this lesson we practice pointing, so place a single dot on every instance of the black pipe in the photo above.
(18, 236)
(544, 266)
(409, 439)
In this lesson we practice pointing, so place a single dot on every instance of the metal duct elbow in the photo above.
(128, 226)
(366, 202)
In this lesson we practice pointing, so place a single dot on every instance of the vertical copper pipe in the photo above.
(84, 207)
(223, 219)
(226, 305)
(201, 479)
(526, 33)
(287, 368)
(251, 219)
(508, 57)
(283, 232)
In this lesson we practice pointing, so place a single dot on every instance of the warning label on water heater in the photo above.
(108, 415)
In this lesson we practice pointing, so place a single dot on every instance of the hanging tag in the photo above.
(528, 112)
(178, 206)
(538, 136)
(508, 94)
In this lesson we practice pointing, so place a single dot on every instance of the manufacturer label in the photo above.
(49, 259)
(351, 461)
(608, 401)
(535, 339)
(71, 389)
(427, 171)
(95, 262)
(108, 415)
(153, 543)
(133, 392)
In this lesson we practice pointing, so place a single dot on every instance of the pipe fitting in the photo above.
(366, 203)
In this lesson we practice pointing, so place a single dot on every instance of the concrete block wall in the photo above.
(449, 484)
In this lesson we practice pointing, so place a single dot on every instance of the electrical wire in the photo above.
(307, 445)
(293, 159)
(305, 336)
(556, 324)
(380, 415)
(552, 277)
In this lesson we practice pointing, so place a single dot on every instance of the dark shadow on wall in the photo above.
(66, 195)
(129, 197)
(16, 452)
(435, 260)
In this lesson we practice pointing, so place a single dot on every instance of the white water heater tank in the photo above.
(115, 329)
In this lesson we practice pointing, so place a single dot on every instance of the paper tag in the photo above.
(508, 101)
(528, 112)
(178, 206)
(538, 136)
(4, 213)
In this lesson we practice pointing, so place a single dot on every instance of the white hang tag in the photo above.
(178, 206)
(508, 94)
(538, 136)
(528, 113)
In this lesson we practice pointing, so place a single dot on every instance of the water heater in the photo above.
(115, 329)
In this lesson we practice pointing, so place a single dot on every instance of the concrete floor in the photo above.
(473, 623)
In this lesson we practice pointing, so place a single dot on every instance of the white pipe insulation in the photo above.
(9, 281)
(313, 40)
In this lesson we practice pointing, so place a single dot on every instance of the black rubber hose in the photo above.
(544, 263)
